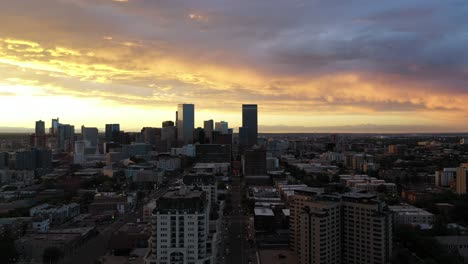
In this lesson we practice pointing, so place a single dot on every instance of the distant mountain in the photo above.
(363, 128)
(16, 130)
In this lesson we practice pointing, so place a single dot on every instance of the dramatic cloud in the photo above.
(306, 63)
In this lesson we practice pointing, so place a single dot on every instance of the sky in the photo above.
(312, 65)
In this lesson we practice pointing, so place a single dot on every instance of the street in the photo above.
(238, 248)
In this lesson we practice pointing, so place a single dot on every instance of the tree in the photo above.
(52, 255)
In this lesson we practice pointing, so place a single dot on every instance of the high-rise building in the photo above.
(248, 133)
(319, 222)
(222, 127)
(185, 123)
(90, 134)
(168, 123)
(462, 174)
(112, 132)
(65, 137)
(349, 228)
(208, 126)
(40, 136)
(254, 162)
(151, 134)
(366, 230)
(168, 131)
(54, 127)
(181, 229)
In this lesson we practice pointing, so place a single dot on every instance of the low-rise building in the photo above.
(411, 215)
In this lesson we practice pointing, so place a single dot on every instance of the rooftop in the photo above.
(263, 212)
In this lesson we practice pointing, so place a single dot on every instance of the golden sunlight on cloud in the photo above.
(120, 74)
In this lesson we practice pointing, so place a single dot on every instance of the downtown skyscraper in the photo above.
(185, 123)
(248, 133)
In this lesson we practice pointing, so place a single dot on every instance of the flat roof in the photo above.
(261, 211)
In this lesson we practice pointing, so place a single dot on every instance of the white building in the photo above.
(180, 231)
(444, 177)
(206, 182)
(410, 215)
(41, 226)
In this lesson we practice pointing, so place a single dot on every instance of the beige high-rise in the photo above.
(462, 174)
(349, 228)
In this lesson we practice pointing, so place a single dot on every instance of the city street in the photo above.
(238, 249)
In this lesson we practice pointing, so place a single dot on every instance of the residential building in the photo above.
(462, 174)
(181, 229)
(348, 228)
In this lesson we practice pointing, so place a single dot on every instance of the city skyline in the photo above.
(321, 65)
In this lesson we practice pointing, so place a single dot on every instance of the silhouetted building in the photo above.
(54, 127)
(208, 127)
(112, 132)
(90, 134)
(220, 138)
(213, 153)
(199, 135)
(168, 124)
(254, 162)
(151, 135)
(248, 133)
(222, 127)
(65, 137)
(40, 136)
(185, 123)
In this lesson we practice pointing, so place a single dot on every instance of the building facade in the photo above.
(185, 123)
(180, 230)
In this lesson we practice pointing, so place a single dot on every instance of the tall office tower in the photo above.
(181, 229)
(248, 133)
(168, 124)
(185, 123)
(65, 137)
(40, 136)
(222, 127)
(208, 126)
(367, 230)
(90, 134)
(54, 127)
(462, 174)
(112, 132)
(350, 228)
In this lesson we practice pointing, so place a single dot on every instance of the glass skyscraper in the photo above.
(185, 123)
(248, 133)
